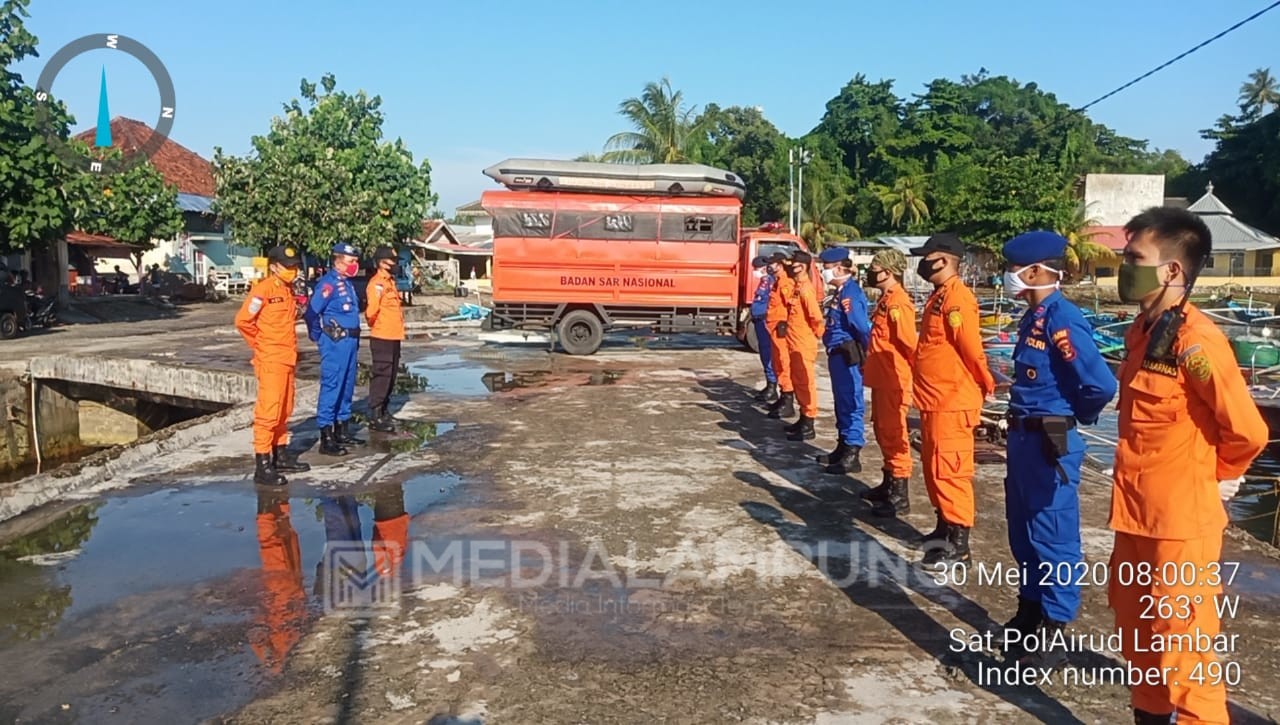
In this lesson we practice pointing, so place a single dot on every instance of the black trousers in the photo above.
(386, 363)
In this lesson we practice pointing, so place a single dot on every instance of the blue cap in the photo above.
(759, 262)
(1033, 247)
(346, 248)
(834, 254)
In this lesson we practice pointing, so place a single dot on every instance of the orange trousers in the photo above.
(946, 455)
(1195, 690)
(283, 611)
(274, 406)
(781, 359)
(889, 422)
(805, 380)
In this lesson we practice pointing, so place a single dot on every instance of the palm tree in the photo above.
(823, 223)
(1260, 91)
(594, 158)
(1080, 245)
(666, 130)
(905, 199)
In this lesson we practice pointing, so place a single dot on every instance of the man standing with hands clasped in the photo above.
(333, 322)
(845, 337)
(386, 332)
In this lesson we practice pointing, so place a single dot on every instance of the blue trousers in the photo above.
(846, 388)
(1043, 512)
(337, 380)
(765, 342)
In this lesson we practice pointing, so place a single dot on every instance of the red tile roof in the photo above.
(100, 241)
(180, 166)
(1110, 237)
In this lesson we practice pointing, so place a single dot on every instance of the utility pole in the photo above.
(791, 191)
(802, 160)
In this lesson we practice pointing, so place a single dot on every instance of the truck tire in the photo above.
(751, 340)
(580, 332)
(8, 326)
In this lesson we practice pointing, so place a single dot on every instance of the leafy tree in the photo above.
(323, 174)
(33, 210)
(741, 140)
(1080, 245)
(1260, 91)
(820, 223)
(1245, 170)
(134, 205)
(860, 120)
(666, 130)
(905, 199)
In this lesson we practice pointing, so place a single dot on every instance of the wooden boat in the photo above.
(637, 179)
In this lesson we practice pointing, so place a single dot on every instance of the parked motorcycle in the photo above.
(41, 310)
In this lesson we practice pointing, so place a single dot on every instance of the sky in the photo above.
(468, 83)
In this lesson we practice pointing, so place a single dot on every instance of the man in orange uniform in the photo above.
(283, 610)
(775, 319)
(1188, 431)
(803, 329)
(950, 380)
(266, 320)
(386, 332)
(888, 373)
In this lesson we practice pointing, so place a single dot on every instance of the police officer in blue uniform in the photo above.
(846, 337)
(1060, 382)
(764, 341)
(333, 321)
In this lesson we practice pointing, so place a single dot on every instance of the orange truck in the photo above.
(580, 263)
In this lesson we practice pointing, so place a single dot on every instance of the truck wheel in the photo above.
(751, 340)
(580, 332)
(8, 326)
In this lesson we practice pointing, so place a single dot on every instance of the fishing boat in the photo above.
(638, 179)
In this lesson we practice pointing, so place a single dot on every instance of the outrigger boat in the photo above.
(637, 179)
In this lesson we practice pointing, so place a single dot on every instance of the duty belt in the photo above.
(1035, 423)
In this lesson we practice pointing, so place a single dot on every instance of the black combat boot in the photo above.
(793, 426)
(897, 502)
(784, 406)
(954, 549)
(826, 458)
(1050, 654)
(381, 421)
(264, 471)
(1142, 717)
(850, 462)
(938, 534)
(768, 393)
(875, 494)
(287, 461)
(1026, 620)
(803, 432)
(342, 434)
(329, 445)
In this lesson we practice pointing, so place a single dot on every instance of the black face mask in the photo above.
(926, 268)
(872, 278)
(795, 271)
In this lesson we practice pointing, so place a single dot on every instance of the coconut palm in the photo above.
(821, 222)
(1260, 91)
(905, 199)
(594, 158)
(1080, 245)
(667, 132)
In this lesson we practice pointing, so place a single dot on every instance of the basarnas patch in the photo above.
(954, 318)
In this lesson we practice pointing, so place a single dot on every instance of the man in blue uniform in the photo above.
(845, 338)
(1060, 380)
(764, 341)
(333, 321)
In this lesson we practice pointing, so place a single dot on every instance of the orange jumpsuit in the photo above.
(950, 380)
(390, 530)
(804, 330)
(1184, 426)
(266, 321)
(775, 313)
(283, 613)
(887, 372)
(384, 313)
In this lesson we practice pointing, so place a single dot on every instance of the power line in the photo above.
(1179, 57)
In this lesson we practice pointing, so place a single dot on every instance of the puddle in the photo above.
(223, 573)
(451, 373)
(410, 436)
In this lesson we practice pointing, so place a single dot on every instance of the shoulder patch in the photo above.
(954, 318)
(846, 303)
(1061, 334)
(325, 290)
(895, 313)
(255, 305)
(1188, 353)
(1063, 342)
(1197, 365)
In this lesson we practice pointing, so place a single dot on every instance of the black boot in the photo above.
(784, 406)
(329, 445)
(938, 534)
(1026, 620)
(768, 393)
(342, 434)
(876, 494)
(847, 463)
(1050, 655)
(793, 426)
(264, 471)
(804, 432)
(381, 421)
(826, 458)
(1142, 717)
(954, 549)
(287, 461)
(897, 502)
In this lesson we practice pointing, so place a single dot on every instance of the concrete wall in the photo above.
(1114, 199)
(145, 376)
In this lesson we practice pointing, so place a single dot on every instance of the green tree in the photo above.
(1081, 248)
(1260, 91)
(1245, 170)
(33, 209)
(859, 120)
(324, 173)
(905, 200)
(821, 219)
(134, 205)
(741, 140)
(666, 130)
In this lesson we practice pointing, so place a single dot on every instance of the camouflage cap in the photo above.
(890, 260)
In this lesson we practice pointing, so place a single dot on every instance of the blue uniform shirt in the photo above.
(334, 299)
(760, 304)
(1057, 367)
(847, 317)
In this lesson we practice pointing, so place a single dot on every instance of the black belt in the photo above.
(1035, 423)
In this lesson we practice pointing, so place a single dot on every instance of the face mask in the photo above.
(926, 268)
(828, 275)
(1014, 283)
(1135, 281)
(758, 274)
(286, 274)
(347, 270)
(872, 277)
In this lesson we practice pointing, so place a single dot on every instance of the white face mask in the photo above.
(828, 275)
(1015, 286)
(759, 273)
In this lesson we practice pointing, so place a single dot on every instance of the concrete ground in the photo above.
(620, 538)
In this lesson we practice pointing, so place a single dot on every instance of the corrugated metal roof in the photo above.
(1209, 204)
(1229, 233)
(195, 203)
